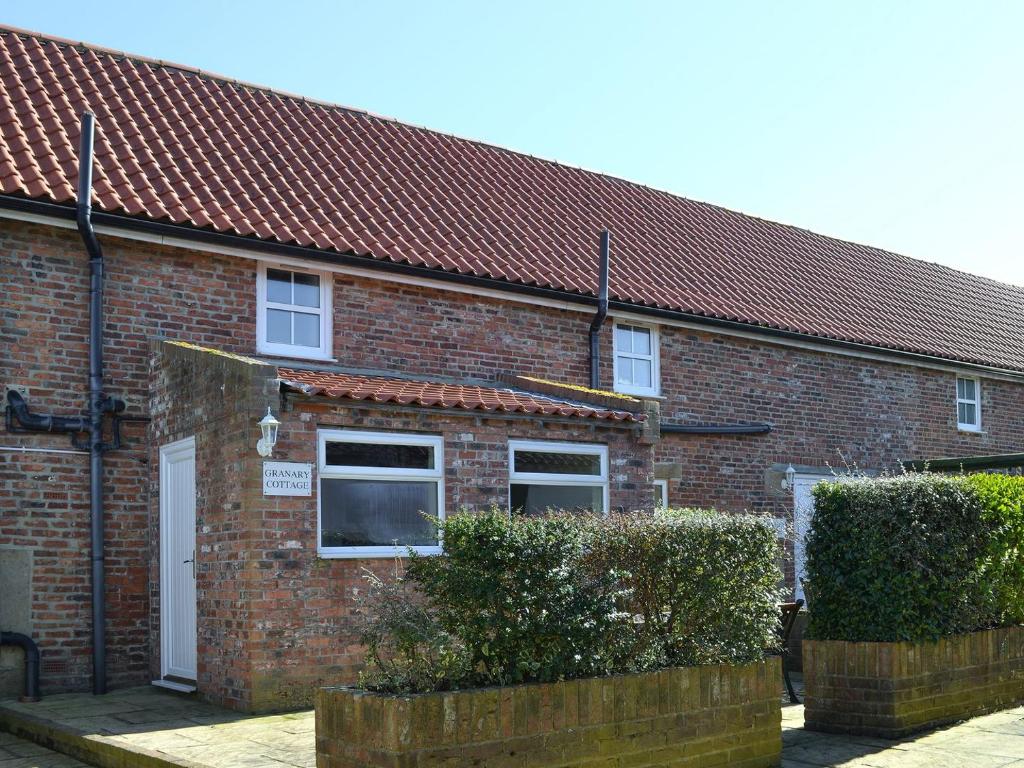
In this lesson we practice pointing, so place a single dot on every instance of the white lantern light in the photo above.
(268, 426)
(790, 477)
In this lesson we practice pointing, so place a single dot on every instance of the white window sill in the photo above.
(298, 353)
(648, 395)
(971, 430)
(373, 553)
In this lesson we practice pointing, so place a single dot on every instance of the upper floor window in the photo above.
(557, 476)
(378, 492)
(968, 403)
(636, 360)
(294, 313)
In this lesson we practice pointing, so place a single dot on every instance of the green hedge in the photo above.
(517, 599)
(1002, 499)
(915, 557)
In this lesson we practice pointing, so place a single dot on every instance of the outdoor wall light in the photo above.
(268, 426)
(790, 478)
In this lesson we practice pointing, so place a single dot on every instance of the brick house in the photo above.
(416, 311)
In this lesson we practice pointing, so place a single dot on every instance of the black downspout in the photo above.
(602, 310)
(97, 403)
(27, 644)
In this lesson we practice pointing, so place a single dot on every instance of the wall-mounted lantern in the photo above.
(790, 478)
(268, 426)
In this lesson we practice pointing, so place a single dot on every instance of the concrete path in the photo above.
(19, 753)
(153, 728)
(989, 741)
(156, 728)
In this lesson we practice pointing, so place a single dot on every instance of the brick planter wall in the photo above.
(714, 715)
(892, 689)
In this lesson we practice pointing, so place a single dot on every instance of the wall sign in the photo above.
(287, 478)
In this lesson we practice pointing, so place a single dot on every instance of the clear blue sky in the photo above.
(897, 124)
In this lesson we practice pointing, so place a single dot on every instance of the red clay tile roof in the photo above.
(380, 389)
(182, 146)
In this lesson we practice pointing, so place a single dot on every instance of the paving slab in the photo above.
(150, 727)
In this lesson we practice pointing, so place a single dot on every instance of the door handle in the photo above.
(193, 561)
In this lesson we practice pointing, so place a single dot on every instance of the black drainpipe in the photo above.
(602, 310)
(716, 429)
(98, 403)
(31, 662)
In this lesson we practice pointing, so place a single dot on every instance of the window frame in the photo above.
(976, 402)
(395, 474)
(263, 304)
(545, 478)
(654, 358)
(663, 484)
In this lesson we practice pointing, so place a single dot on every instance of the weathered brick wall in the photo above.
(217, 399)
(699, 716)
(893, 689)
(820, 403)
(307, 606)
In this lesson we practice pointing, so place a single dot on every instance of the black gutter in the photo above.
(98, 403)
(716, 429)
(602, 309)
(955, 464)
(224, 240)
(27, 644)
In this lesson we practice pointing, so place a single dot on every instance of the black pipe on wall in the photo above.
(97, 403)
(716, 429)
(602, 309)
(27, 644)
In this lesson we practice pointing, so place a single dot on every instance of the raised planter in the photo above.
(893, 689)
(714, 715)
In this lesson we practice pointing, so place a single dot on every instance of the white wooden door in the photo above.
(177, 560)
(803, 512)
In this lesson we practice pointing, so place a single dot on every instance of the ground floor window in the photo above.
(376, 491)
(565, 476)
(660, 494)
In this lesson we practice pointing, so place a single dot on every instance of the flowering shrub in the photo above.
(914, 557)
(537, 599)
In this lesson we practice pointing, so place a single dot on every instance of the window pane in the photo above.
(642, 373)
(279, 286)
(558, 463)
(968, 413)
(279, 326)
(359, 513)
(307, 290)
(624, 367)
(537, 499)
(623, 339)
(307, 329)
(641, 341)
(969, 389)
(379, 455)
(659, 495)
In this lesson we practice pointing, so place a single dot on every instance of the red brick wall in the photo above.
(874, 412)
(307, 605)
(275, 618)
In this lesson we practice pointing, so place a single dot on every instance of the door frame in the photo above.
(168, 451)
(798, 537)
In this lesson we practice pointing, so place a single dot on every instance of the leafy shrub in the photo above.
(898, 558)
(536, 599)
(407, 651)
(1002, 500)
(511, 589)
(703, 584)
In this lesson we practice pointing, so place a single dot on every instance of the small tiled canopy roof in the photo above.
(179, 146)
(382, 389)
